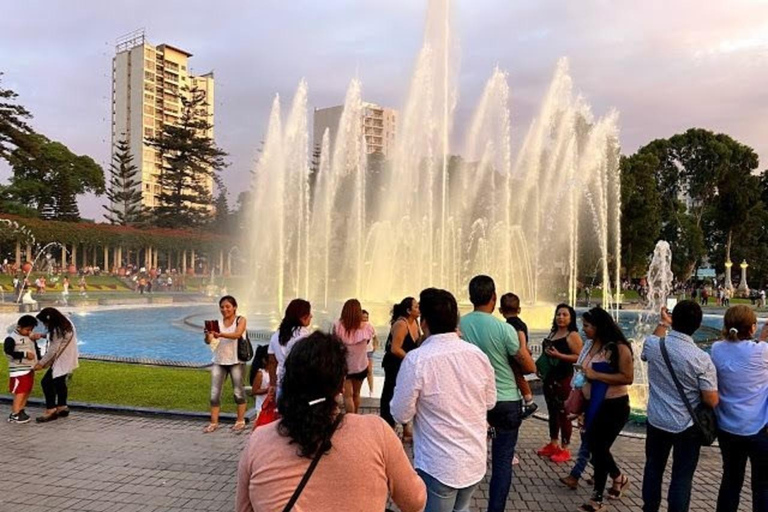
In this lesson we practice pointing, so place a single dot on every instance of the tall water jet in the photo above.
(537, 222)
(659, 279)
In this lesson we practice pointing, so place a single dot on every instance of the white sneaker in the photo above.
(515, 461)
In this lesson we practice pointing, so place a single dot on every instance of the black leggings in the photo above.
(555, 394)
(605, 428)
(55, 390)
(388, 391)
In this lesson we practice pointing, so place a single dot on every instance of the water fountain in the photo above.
(437, 220)
(660, 279)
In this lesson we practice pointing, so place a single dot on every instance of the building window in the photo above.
(148, 97)
(149, 132)
(149, 76)
(149, 109)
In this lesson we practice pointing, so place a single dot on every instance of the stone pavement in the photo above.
(95, 461)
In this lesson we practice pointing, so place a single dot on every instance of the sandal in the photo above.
(212, 427)
(238, 427)
(615, 493)
(589, 507)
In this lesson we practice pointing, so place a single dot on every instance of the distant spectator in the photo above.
(670, 427)
(742, 413)
(446, 387)
(358, 459)
(61, 359)
(355, 334)
(293, 327)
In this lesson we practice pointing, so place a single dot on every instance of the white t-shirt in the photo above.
(226, 351)
(264, 385)
(281, 351)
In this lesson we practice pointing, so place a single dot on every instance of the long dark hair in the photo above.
(296, 310)
(607, 332)
(314, 370)
(259, 362)
(401, 309)
(55, 322)
(572, 327)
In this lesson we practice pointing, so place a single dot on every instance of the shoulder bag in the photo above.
(244, 347)
(703, 417)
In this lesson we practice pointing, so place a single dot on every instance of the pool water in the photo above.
(152, 333)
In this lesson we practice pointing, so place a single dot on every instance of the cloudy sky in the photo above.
(665, 65)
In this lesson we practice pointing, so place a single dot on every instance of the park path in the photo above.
(104, 462)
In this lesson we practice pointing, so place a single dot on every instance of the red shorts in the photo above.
(22, 385)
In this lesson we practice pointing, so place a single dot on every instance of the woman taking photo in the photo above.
(354, 333)
(359, 460)
(60, 358)
(403, 336)
(742, 413)
(561, 351)
(293, 327)
(225, 362)
(609, 370)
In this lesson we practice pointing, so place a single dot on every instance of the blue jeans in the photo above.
(505, 418)
(443, 498)
(685, 448)
(736, 450)
(581, 459)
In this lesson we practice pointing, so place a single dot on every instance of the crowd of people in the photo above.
(455, 382)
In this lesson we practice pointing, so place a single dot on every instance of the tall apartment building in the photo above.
(147, 82)
(379, 126)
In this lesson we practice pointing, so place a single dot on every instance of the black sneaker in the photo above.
(529, 409)
(21, 417)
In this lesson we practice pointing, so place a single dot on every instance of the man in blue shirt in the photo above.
(670, 426)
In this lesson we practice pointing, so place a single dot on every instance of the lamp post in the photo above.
(728, 282)
(743, 288)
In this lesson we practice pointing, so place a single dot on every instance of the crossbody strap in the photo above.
(679, 386)
(311, 468)
(304, 480)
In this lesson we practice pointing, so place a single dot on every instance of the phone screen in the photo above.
(671, 303)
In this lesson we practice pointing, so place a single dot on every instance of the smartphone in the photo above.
(671, 303)
(212, 326)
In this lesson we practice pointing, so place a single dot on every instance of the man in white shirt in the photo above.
(446, 387)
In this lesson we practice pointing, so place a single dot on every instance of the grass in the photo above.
(93, 283)
(185, 389)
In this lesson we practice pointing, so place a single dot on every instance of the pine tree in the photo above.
(222, 216)
(124, 190)
(190, 159)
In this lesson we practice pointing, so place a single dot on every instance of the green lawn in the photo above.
(158, 387)
(93, 283)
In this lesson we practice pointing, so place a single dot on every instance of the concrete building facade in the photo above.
(379, 126)
(147, 83)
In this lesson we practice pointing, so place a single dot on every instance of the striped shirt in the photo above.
(693, 368)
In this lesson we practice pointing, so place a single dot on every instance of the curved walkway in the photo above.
(95, 462)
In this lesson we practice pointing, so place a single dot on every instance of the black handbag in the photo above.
(244, 347)
(703, 417)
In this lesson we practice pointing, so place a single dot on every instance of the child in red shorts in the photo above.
(22, 354)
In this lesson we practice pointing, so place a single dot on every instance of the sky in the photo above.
(664, 65)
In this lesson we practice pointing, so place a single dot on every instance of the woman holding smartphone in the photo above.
(225, 362)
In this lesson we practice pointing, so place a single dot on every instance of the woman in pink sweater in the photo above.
(360, 461)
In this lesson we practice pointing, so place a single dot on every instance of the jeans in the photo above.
(581, 459)
(55, 390)
(442, 498)
(685, 448)
(608, 422)
(735, 451)
(219, 374)
(505, 418)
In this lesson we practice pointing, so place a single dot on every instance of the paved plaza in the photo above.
(104, 462)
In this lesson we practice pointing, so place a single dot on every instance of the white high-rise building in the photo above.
(147, 82)
(379, 126)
